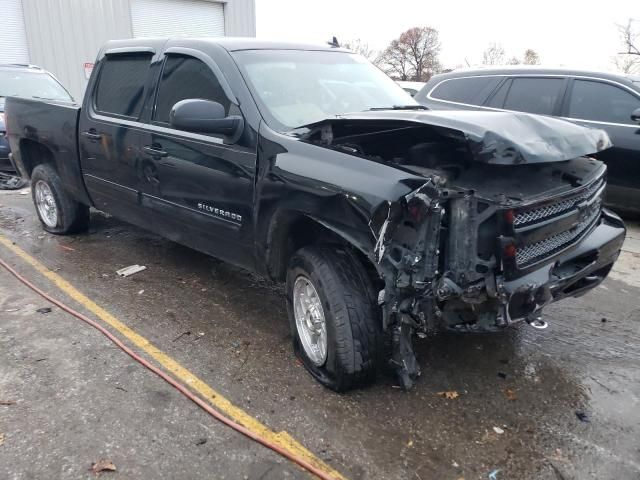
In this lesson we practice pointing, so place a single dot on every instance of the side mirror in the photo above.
(203, 116)
(635, 115)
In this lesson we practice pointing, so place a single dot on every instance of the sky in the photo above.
(568, 33)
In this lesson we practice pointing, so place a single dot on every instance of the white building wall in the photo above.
(13, 40)
(63, 35)
(240, 18)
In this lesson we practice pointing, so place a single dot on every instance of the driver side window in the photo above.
(185, 77)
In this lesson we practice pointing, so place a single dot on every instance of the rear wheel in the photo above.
(58, 212)
(334, 320)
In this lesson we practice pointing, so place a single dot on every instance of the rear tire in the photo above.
(352, 320)
(58, 212)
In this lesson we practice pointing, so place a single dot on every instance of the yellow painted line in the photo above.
(283, 439)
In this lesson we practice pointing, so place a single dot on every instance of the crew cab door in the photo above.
(198, 187)
(109, 137)
(602, 104)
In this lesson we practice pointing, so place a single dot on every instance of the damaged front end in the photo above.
(452, 260)
(407, 251)
(509, 218)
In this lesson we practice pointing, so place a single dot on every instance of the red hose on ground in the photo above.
(171, 381)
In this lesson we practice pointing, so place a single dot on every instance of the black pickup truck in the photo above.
(308, 165)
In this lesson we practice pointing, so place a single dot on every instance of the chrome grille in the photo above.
(551, 245)
(548, 211)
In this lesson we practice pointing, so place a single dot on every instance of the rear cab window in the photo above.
(467, 90)
(121, 84)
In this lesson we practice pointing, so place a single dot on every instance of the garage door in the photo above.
(13, 39)
(177, 18)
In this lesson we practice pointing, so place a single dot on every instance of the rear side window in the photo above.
(601, 102)
(534, 95)
(471, 90)
(186, 77)
(121, 84)
(498, 98)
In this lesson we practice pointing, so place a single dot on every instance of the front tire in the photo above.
(334, 319)
(58, 212)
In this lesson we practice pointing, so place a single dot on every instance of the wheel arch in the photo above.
(34, 153)
(291, 230)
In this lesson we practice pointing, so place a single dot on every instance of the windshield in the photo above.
(18, 83)
(296, 87)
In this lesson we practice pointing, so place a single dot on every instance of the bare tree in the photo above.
(413, 55)
(628, 61)
(394, 61)
(493, 55)
(513, 61)
(362, 48)
(629, 38)
(531, 57)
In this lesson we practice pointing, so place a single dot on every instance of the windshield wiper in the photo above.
(399, 107)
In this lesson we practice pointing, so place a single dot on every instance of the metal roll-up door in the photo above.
(177, 18)
(13, 38)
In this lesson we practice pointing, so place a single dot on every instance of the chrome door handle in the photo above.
(154, 152)
(91, 135)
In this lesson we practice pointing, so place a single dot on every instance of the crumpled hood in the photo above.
(503, 138)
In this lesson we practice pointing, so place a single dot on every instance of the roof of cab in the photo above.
(228, 43)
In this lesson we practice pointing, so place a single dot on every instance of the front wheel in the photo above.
(335, 322)
(58, 212)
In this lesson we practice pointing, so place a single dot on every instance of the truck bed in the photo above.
(34, 124)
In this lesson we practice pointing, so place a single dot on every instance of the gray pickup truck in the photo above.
(308, 165)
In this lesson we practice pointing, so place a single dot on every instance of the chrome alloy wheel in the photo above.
(46, 204)
(310, 321)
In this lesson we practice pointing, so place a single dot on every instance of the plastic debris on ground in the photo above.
(11, 182)
(493, 475)
(130, 270)
(583, 416)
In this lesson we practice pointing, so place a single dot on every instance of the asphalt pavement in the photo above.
(563, 403)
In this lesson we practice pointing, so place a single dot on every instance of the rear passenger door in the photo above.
(198, 187)
(109, 140)
(602, 104)
(539, 95)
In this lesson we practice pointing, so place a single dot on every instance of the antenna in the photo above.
(334, 43)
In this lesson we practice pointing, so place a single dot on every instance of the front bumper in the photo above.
(572, 274)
